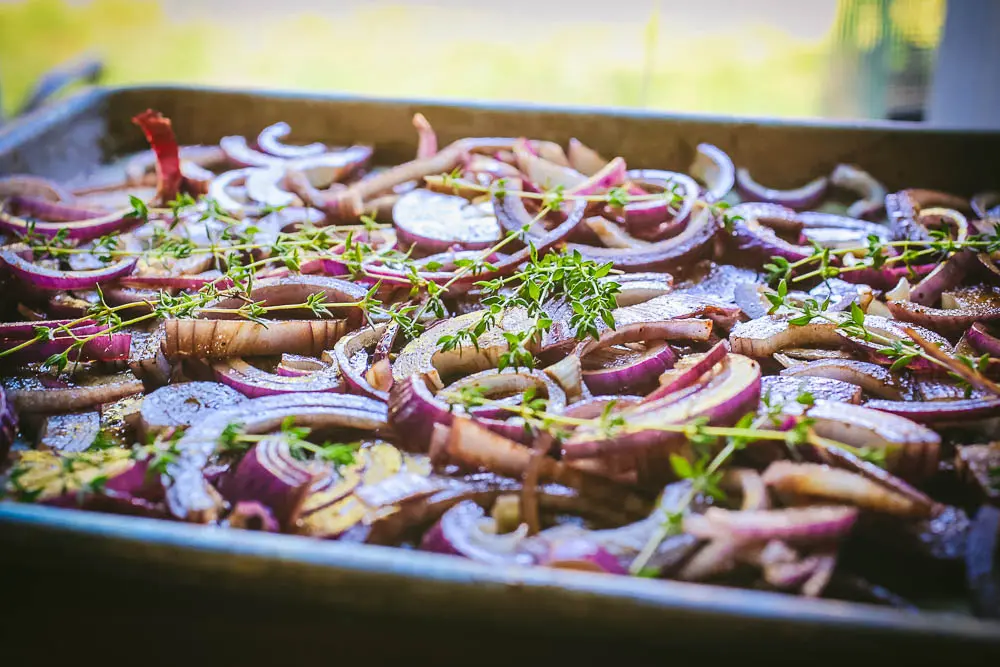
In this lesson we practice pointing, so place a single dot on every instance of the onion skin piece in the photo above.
(189, 495)
(819, 481)
(160, 136)
(804, 197)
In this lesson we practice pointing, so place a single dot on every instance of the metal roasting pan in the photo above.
(94, 127)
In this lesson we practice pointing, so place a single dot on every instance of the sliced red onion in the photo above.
(427, 144)
(871, 193)
(263, 187)
(322, 171)
(473, 446)
(585, 160)
(951, 321)
(464, 530)
(911, 451)
(253, 382)
(986, 205)
(815, 523)
(642, 216)
(73, 432)
(609, 176)
(628, 371)
(751, 241)
(635, 288)
(733, 390)
(181, 405)
(224, 339)
(764, 336)
(945, 276)
(782, 389)
(688, 371)
(580, 553)
(92, 225)
(543, 173)
(414, 409)
(436, 223)
(887, 277)
(53, 279)
(592, 407)
(252, 515)
(904, 207)
(296, 365)
(351, 357)
(715, 169)
(240, 154)
(982, 340)
(672, 254)
(467, 281)
(823, 482)
(801, 198)
(270, 138)
(568, 374)
(32, 394)
(190, 497)
(872, 378)
(109, 347)
(936, 412)
(268, 474)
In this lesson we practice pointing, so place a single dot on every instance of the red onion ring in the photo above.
(804, 197)
(270, 138)
(52, 279)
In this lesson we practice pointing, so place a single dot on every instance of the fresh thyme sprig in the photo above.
(824, 262)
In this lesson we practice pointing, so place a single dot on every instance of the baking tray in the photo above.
(94, 128)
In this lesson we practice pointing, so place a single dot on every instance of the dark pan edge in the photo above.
(406, 581)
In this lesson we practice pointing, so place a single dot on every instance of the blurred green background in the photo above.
(846, 58)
